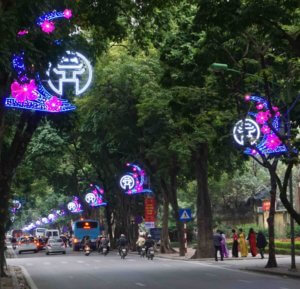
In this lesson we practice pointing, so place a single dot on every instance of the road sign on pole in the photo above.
(185, 215)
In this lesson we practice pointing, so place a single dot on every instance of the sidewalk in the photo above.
(250, 264)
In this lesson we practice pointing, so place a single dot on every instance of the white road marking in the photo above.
(80, 262)
(47, 263)
(283, 288)
(244, 281)
(131, 260)
(140, 284)
(97, 261)
(64, 262)
(29, 264)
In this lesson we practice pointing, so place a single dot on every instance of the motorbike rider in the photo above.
(149, 243)
(104, 243)
(86, 242)
(122, 243)
(140, 243)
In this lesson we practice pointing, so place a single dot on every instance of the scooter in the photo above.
(143, 252)
(150, 253)
(123, 253)
(105, 250)
(87, 250)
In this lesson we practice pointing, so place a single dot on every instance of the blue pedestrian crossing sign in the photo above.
(185, 215)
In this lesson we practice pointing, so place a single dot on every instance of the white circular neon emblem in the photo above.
(246, 129)
(73, 69)
(90, 198)
(72, 206)
(127, 182)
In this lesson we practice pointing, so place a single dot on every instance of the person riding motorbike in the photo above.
(104, 243)
(140, 243)
(14, 242)
(122, 243)
(86, 242)
(149, 243)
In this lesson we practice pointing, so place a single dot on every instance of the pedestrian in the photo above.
(235, 244)
(252, 242)
(261, 243)
(224, 245)
(217, 238)
(242, 243)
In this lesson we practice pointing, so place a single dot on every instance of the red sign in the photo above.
(150, 210)
(266, 206)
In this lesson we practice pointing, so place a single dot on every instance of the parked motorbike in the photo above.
(87, 250)
(104, 250)
(150, 253)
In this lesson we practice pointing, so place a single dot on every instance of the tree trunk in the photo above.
(204, 213)
(272, 256)
(174, 203)
(165, 245)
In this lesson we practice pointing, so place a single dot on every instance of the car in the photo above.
(55, 246)
(26, 244)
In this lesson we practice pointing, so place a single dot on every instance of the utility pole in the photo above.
(293, 257)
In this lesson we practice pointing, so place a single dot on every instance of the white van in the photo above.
(52, 234)
(39, 232)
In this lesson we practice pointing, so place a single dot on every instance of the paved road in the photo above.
(76, 271)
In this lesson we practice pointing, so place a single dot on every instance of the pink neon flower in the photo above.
(275, 108)
(247, 97)
(262, 117)
(23, 32)
(265, 129)
(68, 13)
(253, 152)
(54, 104)
(273, 142)
(23, 92)
(260, 106)
(48, 26)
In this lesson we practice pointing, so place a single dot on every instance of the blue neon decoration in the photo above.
(94, 196)
(269, 145)
(28, 93)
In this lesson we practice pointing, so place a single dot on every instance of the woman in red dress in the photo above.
(252, 242)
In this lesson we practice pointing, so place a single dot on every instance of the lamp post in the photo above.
(224, 67)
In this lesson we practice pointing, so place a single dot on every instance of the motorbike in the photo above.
(150, 253)
(87, 250)
(143, 252)
(123, 253)
(105, 250)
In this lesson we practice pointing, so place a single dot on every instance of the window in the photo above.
(87, 225)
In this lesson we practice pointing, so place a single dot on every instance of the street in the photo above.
(77, 271)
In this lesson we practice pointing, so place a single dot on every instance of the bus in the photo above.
(83, 228)
(39, 232)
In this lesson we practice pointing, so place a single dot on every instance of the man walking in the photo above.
(217, 238)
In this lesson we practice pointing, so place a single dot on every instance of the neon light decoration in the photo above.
(38, 223)
(94, 197)
(73, 68)
(29, 93)
(266, 120)
(45, 220)
(133, 182)
(74, 206)
(246, 128)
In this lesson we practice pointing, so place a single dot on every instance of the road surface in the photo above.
(77, 271)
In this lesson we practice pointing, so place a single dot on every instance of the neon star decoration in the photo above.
(133, 182)
(28, 92)
(268, 144)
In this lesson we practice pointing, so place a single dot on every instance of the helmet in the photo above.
(149, 236)
(122, 235)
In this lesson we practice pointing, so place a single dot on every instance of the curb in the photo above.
(14, 278)
(28, 279)
(278, 273)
